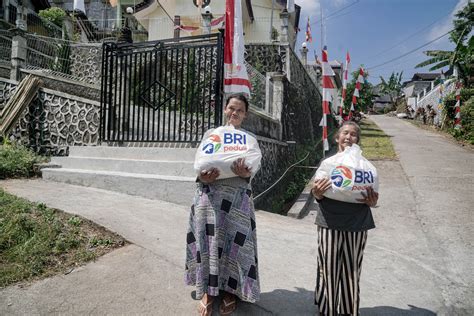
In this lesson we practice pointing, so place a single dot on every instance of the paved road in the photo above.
(417, 262)
(429, 214)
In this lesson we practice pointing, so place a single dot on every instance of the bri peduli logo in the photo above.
(213, 146)
(358, 180)
(233, 142)
(341, 177)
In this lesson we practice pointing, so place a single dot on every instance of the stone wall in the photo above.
(65, 85)
(7, 88)
(275, 157)
(54, 121)
(265, 57)
(86, 62)
(262, 125)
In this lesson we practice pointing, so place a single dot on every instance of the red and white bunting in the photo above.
(236, 79)
(457, 107)
(215, 24)
(358, 86)
(344, 83)
(328, 89)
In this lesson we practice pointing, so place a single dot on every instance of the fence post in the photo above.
(18, 56)
(304, 54)
(277, 98)
(206, 23)
(284, 26)
(68, 28)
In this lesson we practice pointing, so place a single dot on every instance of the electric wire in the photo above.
(407, 38)
(333, 13)
(279, 179)
(408, 53)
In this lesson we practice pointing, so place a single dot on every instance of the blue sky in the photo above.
(376, 31)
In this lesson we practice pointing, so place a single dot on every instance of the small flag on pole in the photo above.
(457, 107)
(344, 82)
(236, 79)
(358, 86)
(328, 89)
(309, 38)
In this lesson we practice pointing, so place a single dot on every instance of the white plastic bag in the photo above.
(222, 146)
(350, 174)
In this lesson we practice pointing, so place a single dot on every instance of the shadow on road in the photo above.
(389, 311)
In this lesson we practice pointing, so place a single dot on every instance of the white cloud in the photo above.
(309, 7)
(447, 24)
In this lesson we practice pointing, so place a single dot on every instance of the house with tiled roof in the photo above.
(180, 18)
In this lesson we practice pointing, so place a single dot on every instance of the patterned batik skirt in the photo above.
(221, 250)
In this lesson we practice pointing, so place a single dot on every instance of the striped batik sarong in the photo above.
(340, 256)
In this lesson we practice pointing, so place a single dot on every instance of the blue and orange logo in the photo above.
(341, 177)
(214, 144)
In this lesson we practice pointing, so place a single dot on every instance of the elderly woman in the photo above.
(221, 252)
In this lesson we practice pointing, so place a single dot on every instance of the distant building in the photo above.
(418, 83)
(381, 100)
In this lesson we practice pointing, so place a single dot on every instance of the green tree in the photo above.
(365, 99)
(53, 15)
(392, 87)
(462, 57)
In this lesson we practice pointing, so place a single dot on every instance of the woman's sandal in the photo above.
(228, 305)
(205, 309)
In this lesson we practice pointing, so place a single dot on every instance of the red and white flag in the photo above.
(309, 38)
(328, 90)
(358, 86)
(344, 82)
(236, 79)
(457, 107)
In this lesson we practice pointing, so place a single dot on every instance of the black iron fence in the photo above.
(161, 91)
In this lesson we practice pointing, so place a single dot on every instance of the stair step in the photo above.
(140, 166)
(175, 189)
(144, 153)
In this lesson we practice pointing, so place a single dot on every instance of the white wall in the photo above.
(160, 26)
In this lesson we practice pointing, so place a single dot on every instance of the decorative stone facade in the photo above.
(55, 120)
(7, 88)
(86, 62)
(265, 57)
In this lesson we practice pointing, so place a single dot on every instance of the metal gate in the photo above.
(161, 91)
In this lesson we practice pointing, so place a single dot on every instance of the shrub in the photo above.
(54, 15)
(467, 116)
(17, 161)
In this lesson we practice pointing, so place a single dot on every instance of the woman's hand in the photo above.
(320, 186)
(209, 176)
(370, 198)
(239, 168)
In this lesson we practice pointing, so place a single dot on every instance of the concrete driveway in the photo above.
(418, 261)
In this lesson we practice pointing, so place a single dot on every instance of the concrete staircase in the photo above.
(157, 173)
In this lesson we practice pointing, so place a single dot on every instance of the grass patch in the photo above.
(37, 241)
(375, 143)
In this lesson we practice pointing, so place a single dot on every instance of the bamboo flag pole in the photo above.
(21, 98)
